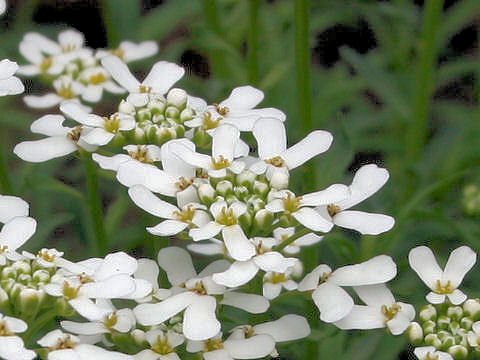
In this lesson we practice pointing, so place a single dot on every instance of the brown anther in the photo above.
(390, 312)
(141, 155)
(333, 209)
(276, 161)
(183, 183)
(201, 173)
(4, 329)
(46, 255)
(199, 288)
(291, 203)
(75, 133)
(84, 278)
(222, 110)
(213, 344)
(3, 248)
(65, 343)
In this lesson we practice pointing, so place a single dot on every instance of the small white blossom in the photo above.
(12, 346)
(431, 353)
(473, 336)
(9, 84)
(381, 311)
(160, 79)
(274, 282)
(129, 51)
(66, 89)
(444, 284)
(334, 302)
(96, 80)
(366, 182)
(162, 345)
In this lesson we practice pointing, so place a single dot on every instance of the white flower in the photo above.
(50, 258)
(9, 84)
(96, 80)
(274, 282)
(430, 353)
(195, 295)
(148, 270)
(102, 130)
(381, 311)
(282, 234)
(366, 182)
(241, 272)
(237, 110)
(162, 345)
(335, 303)
(444, 284)
(61, 140)
(40, 63)
(226, 221)
(66, 89)
(11, 346)
(63, 346)
(473, 336)
(177, 220)
(257, 346)
(276, 159)
(301, 208)
(161, 78)
(129, 51)
(109, 320)
(224, 145)
(17, 229)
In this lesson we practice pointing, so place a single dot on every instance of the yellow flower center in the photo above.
(183, 183)
(333, 209)
(213, 344)
(68, 48)
(390, 312)
(145, 89)
(325, 277)
(118, 52)
(65, 343)
(430, 356)
(276, 161)
(66, 92)
(227, 217)
(222, 110)
(291, 203)
(186, 215)
(70, 292)
(46, 64)
(199, 288)
(97, 79)
(277, 278)
(84, 278)
(110, 321)
(444, 288)
(221, 163)
(209, 122)
(74, 135)
(46, 255)
(4, 329)
(141, 155)
(162, 346)
(112, 123)
(3, 249)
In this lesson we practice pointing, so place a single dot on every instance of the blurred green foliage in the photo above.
(399, 103)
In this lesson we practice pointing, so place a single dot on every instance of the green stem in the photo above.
(417, 132)
(292, 238)
(211, 18)
(252, 55)
(95, 203)
(5, 184)
(38, 324)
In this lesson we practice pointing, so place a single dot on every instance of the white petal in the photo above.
(42, 102)
(71, 38)
(206, 249)
(274, 261)
(177, 263)
(63, 354)
(252, 303)
(146, 200)
(241, 149)
(199, 320)
(89, 352)
(423, 262)
(288, 327)
(172, 163)
(460, 261)
(77, 112)
(310, 281)
(271, 137)
(333, 302)
(97, 136)
(154, 314)
(434, 298)
(92, 93)
(12, 206)
(168, 228)
(120, 72)
(43, 43)
(12, 348)
(111, 162)
(139, 51)
(378, 269)
(223, 143)
(114, 264)
(238, 245)
(11, 86)
(17, 231)
(330, 195)
(217, 266)
(362, 317)
(312, 220)
(309, 239)
(363, 222)
(457, 297)
(114, 287)
(162, 76)
(148, 175)
(270, 290)
(88, 309)
(375, 295)
(15, 325)
(7, 68)
(315, 143)
(45, 149)
(220, 354)
(268, 113)
(205, 232)
(148, 270)
(243, 98)
(191, 157)
(402, 320)
(255, 347)
(239, 273)
(366, 182)
(50, 125)
(89, 328)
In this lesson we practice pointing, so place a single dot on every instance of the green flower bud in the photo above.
(63, 308)
(126, 108)
(279, 179)
(261, 188)
(443, 322)
(29, 301)
(287, 221)
(224, 188)
(144, 115)
(172, 112)
(458, 352)
(16, 290)
(41, 276)
(158, 118)
(156, 106)
(206, 194)
(139, 135)
(429, 327)
(177, 97)
(9, 272)
(245, 178)
(471, 308)
(4, 299)
(448, 341)
(22, 267)
(245, 221)
(428, 312)
(455, 312)
(433, 340)
(202, 139)
(466, 323)
(7, 284)
(24, 278)
(186, 115)
(415, 333)
(263, 221)
(139, 337)
(454, 326)
(180, 131)
(255, 203)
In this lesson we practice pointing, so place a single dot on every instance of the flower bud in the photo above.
(471, 308)
(256, 203)
(202, 139)
(443, 322)
(158, 118)
(245, 221)
(126, 108)
(163, 134)
(71, 68)
(156, 106)
(224, 188)
(143, 115)
(278, 179)
(263, 221)
(177, 97)
(429, 327)
(241, 192)
(9, 272)
(24, 279)
(4, 299)
(41, 276)
(260, 188)
(428, 312)
(186, 115)
(139, 337)
(206, 194)
(447, 341)
(7, 284)
(455, 312)
(245, 178)
(458, 352)
(433, 340)
(415, 333)
(466, 323)
(139, 135)
(172, 112)
(22, 267)
(29, 301)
